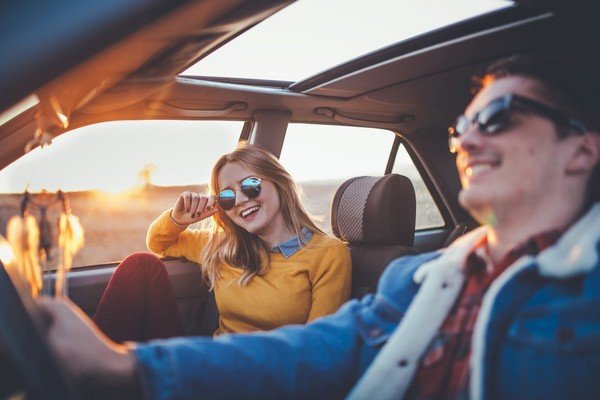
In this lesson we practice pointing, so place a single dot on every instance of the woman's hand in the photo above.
(86, 353)
(193, 207)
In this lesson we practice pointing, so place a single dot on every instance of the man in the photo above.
(509, 310)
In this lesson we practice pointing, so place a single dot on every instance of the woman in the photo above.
(267, 261)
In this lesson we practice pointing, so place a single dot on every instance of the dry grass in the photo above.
(115, 225)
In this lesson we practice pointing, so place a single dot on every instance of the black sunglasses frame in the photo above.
(505, 105)
(251, 191)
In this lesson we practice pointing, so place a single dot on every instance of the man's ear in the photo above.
(586, 154)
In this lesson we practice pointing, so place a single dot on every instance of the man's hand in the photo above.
(193, 207)
(86, 354)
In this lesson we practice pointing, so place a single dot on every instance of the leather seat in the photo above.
(375, 216)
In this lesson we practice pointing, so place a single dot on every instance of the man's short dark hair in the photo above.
(568, 83)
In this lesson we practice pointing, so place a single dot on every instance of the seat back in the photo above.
(376, 217)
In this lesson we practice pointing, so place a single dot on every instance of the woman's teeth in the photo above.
(249, 211)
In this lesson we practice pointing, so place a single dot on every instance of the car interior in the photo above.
(113, 61)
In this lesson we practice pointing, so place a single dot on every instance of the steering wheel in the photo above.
(22, 329)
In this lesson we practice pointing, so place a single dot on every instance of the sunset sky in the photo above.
(299, 41)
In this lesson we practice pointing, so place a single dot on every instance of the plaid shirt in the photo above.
(444, 369)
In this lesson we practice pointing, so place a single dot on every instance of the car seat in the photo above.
(375, 216)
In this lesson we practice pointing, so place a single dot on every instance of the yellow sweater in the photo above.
(311, 283)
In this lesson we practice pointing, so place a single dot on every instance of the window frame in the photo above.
(400, 139)
(435, 194)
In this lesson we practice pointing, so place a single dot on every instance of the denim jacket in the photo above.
(537, 336)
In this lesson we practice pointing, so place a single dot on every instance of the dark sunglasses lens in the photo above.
(251, 187)
(494, 117)
(226, 199)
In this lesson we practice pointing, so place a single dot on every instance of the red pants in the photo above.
(138, 303)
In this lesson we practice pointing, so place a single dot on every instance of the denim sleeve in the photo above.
(317, 361)
(321, 360)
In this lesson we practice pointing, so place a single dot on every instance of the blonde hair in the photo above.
(232, 245)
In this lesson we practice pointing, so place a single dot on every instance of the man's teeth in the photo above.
(245, 213)
(477, 169)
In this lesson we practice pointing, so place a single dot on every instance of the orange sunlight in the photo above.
(115, 157)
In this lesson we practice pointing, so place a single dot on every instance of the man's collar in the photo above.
(480, 256)
(293, 245)
(574, 253)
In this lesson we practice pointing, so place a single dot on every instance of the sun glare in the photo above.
(116, 157)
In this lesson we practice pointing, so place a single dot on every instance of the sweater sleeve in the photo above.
(166, 238)
(330, 280)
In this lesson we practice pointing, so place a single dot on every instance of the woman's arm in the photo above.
(168, 234)
(330, 281)
(166, 238)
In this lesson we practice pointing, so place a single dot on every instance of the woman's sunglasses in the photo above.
(249, 186)
(495, 118)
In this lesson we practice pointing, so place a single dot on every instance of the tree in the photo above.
(145, 175)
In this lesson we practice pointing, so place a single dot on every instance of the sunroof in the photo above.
(310, 36)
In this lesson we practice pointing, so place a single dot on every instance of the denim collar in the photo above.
(291, 246)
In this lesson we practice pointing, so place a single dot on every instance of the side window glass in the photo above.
(118, 177)
(428, 214)
(321, 157)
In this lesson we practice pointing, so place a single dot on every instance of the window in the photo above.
(118, 176)
(321, 157)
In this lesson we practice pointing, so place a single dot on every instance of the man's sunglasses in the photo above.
(495, 118)
(249, 186)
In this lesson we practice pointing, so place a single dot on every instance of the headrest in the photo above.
(375, 210)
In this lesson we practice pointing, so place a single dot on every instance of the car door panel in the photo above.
(87, 284)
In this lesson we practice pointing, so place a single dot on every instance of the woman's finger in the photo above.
(195, 202)
(211, 211)
(210, 203)
(179, 209)
(201, 206)
(186, 201)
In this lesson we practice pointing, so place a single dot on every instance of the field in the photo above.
(115, 225)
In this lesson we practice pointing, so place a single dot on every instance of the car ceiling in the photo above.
(132, 59)
(90, 47)
(423, 80)
(414, 83)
